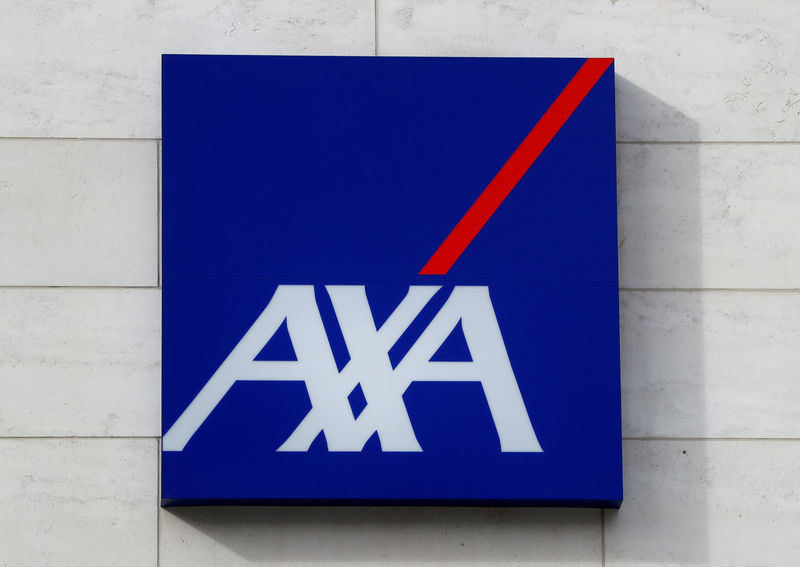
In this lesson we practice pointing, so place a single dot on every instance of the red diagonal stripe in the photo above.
(520, 161)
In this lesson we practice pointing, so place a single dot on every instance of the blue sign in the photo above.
(390, 280)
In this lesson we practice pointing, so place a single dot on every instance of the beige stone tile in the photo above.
(709, 215)
(89, 69)
(70, 502)
(78, 213)
(710, 364)
(81, 362)
(726, 503)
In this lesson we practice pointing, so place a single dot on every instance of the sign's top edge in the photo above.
(361, 57)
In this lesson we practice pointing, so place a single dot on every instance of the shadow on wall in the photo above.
(663, 517)
(333, 535)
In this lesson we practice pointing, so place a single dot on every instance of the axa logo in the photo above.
(370, 367)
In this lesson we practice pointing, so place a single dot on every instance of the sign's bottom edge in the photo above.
(393, 502)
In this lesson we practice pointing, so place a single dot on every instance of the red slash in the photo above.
(520, 161)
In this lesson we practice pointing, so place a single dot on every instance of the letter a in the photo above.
(315, 365)
(490, 365)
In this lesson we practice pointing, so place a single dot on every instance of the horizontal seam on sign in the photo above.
(620, 142)
(626, 289)
(157, 437)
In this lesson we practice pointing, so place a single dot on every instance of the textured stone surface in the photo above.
(93, 69)
(695, 364)
(709, 215)
(80, 362)
(687, 70)
(710, 364)
(69, 502)
(78, 212)
(732, 503)
(370, 536)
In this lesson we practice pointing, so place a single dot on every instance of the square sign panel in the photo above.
(390, 280)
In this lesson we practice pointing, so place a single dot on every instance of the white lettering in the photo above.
(369, 365)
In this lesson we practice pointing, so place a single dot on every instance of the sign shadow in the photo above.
(664, 517)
